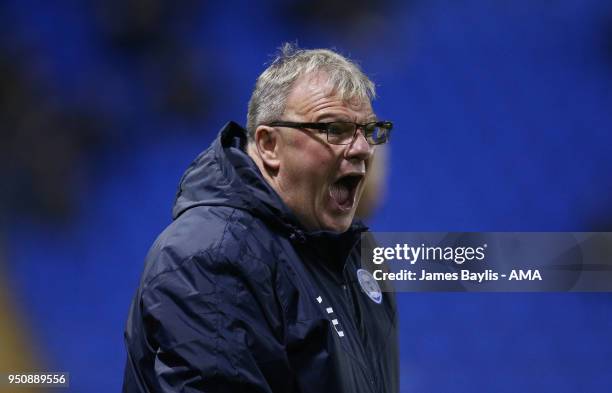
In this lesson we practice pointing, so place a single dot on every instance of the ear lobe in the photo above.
(267, 142)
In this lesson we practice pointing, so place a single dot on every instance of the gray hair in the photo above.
(268, 100)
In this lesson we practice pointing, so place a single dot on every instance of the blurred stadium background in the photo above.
(503, 114)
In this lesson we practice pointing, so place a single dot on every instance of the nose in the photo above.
(359, 148)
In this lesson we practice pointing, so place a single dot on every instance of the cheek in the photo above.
(310, 174)
(311, 157)
(310, 165)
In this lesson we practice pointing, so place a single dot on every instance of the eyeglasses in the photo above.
(344, 132)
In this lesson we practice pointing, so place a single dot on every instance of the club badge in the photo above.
(369, 285)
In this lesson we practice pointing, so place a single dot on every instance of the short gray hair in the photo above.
(268, 100)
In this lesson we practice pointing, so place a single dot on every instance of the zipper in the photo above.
(371, 369)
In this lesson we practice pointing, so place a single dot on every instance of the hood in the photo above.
(224, 175)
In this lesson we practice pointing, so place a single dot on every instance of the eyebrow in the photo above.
(330, 117)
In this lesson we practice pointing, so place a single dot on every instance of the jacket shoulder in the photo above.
(216, 234)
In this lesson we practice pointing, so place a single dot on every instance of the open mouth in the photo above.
(343, 190)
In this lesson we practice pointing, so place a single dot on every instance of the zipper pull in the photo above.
(297, 236)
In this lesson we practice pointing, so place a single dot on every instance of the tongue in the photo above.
(340, 193)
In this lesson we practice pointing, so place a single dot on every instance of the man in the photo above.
(256, 286)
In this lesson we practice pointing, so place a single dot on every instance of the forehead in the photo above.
(314, 94)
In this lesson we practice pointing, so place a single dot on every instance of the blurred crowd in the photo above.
(126, 61)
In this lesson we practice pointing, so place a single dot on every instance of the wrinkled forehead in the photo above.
(315, 91)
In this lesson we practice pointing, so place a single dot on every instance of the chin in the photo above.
(338, 225)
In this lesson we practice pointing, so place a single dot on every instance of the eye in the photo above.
(340, 128)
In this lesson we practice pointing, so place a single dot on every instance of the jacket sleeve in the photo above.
(215, 326)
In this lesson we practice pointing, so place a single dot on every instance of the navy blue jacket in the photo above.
(237, 297)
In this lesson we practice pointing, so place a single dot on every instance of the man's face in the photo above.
(321, 182)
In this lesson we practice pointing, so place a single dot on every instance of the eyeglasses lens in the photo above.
(340, 133)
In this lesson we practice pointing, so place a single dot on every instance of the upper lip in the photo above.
(361, 175)
(357, 175)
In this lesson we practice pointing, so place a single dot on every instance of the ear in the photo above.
(267, 143)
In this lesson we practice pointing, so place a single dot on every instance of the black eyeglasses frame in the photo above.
(324, 127)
